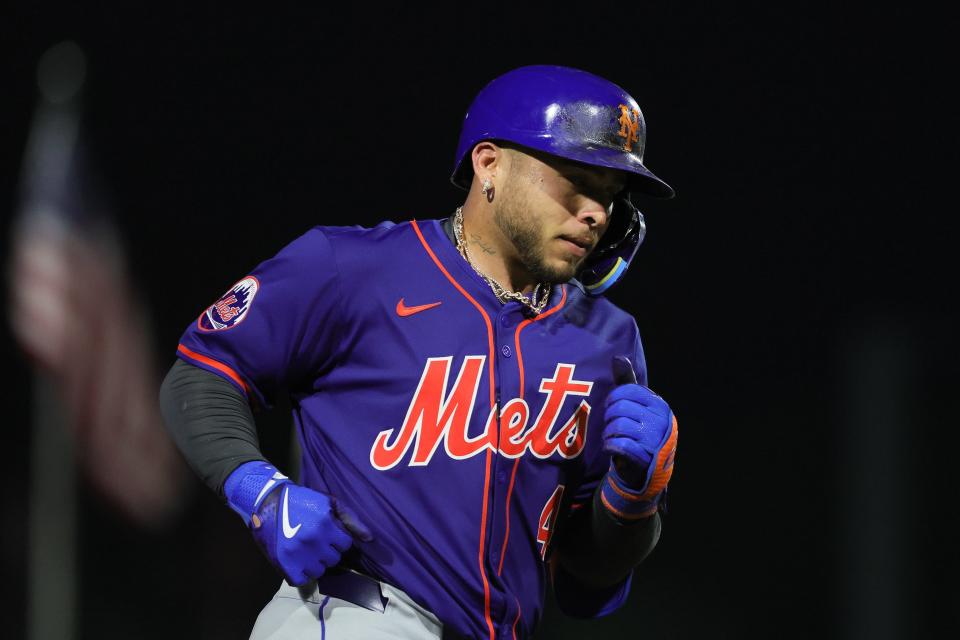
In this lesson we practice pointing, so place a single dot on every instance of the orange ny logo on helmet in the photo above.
(629, 123)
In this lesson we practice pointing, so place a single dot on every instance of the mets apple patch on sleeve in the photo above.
(231, 308)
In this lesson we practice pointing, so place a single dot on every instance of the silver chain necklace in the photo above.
(541, 292)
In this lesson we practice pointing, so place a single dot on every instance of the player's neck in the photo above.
(491, 251)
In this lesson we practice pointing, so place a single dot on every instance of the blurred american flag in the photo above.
(76, 313)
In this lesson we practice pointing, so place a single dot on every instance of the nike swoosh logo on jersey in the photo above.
(288, 531)
(403, 310)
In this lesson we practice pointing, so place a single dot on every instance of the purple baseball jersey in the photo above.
(459, 428)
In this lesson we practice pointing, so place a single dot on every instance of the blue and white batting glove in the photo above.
(641, 433)
(301, 531)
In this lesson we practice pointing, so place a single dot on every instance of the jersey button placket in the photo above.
(508, 378)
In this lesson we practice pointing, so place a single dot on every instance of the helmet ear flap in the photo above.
(616, 249)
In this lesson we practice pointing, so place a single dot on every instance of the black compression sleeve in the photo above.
(599, 550)
(210, 421)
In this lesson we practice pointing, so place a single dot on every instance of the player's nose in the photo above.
(594, 213)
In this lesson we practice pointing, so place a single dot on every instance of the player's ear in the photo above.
(486, 157)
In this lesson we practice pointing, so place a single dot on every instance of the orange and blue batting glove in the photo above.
(641, 434)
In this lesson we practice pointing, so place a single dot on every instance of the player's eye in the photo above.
(594, 190)
(583, 184)
(590, 186)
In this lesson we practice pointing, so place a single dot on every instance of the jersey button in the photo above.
(505, 321)
(505, 350)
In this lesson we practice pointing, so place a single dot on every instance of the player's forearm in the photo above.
(210, 421)
(599, 551)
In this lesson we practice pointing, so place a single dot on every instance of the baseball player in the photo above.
(473, 414)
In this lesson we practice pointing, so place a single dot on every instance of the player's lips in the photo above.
(579, 245)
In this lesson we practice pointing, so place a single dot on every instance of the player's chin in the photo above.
(561, 268)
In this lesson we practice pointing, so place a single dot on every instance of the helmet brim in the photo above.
(641, 180)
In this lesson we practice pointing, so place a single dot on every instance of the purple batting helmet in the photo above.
(565, 112)
(575, 115)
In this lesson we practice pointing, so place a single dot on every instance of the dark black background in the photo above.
(803, 276)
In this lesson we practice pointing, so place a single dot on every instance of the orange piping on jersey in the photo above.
(516, 463)
(483, 530)
(219, 366)
(466, 295)
(494, 438)
(523, 325)
(506, 534)
(517, 619)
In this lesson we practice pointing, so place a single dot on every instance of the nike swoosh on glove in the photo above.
(301, 531)
(641, 434)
